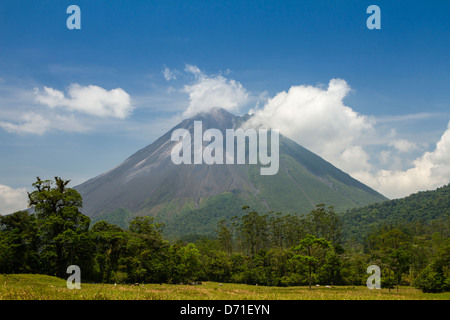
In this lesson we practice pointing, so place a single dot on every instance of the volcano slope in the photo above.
(192, 198)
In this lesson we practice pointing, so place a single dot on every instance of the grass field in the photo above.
(40, 287)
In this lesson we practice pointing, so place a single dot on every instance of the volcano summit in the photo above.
(213, 153)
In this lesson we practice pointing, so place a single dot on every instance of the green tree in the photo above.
(277, 265)
(311, 250)
(19, 243)
(110, 242)
(61, 224)
(253, 232)
(225, 236)
(216, 266)
(330, 271)
(432, 280)
(277, 232)
(324, 223)
(435, 277)
(392, 247)
(294, 229)
(184, 263)
(354, 267)
(147, 251)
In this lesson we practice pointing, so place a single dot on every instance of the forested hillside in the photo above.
(422, 209)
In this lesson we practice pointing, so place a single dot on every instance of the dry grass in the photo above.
(40, 287)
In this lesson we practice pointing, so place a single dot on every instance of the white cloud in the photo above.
(34, 123)
(385, 157)
(169, 74)
(192, 69)
(403, 145)
(213, 91)
(355, 158)
(72, 113)
(12, 200)
(92, 100)
(429, 171)
(31, 122)
(410, 117)
(317, 119)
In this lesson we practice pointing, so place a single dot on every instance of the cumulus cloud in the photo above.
(90, 99)
(429, 171)
(12, 200)
(213, 91)
(318, 119)
(67, 112)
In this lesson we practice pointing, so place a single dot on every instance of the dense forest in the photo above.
(273, 249)
(424, 207)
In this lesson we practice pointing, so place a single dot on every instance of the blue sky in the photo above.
(141, 64)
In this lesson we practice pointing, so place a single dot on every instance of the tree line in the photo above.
(271, 249)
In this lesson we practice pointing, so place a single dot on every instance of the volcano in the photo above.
(192, 198)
